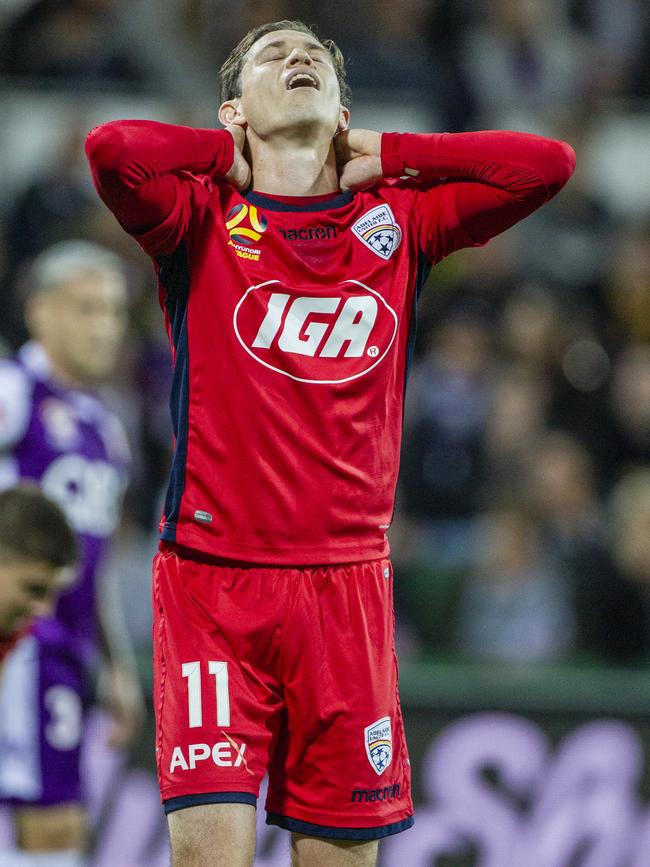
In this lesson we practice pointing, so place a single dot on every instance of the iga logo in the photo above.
(324, 335)
(379, 231)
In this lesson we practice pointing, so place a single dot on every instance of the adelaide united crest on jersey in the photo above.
(318, 334)
(379, 231)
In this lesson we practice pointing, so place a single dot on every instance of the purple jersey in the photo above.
(76, 449)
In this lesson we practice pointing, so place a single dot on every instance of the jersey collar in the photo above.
(326, 202)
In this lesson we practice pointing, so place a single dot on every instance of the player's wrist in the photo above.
(391, 158)
(410, 154)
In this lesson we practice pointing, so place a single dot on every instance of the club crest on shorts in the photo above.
(379, 231)
(379, 744)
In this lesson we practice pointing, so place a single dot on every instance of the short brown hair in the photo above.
(33, 527)
(230, 72)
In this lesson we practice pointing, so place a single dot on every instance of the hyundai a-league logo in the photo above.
(379, 231)
(379, 744)
(246, 225)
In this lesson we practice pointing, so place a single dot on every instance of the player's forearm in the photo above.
(133, 163)
(495, 179)
(527, 166)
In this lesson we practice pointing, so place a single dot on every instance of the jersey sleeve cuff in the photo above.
(220, 145)
(391, 158)
(411, 154)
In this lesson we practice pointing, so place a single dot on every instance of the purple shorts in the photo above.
(43, 698)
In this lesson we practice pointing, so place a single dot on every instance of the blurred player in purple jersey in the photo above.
(55, 431)
(37, 551)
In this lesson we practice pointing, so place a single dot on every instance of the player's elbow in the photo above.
(104, 145)
(561, 165)
(108, 152)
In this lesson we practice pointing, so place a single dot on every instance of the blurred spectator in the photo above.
(559, 483)
(630, 407)
(630, 556)
(56, 205)
(514, 606)
(517, 414)
(75, 41)
(525, 63)
(618, 42)
(533, 328)
(445, 417)
(630, 522)
(627, 287)
(375, 38)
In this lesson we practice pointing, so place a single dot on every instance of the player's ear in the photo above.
(230, 113)
(344, 119)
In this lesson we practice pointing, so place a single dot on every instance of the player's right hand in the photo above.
(240, 175)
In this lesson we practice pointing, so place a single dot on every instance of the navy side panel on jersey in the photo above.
(174, 276)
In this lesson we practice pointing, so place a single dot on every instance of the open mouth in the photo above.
(302, 79)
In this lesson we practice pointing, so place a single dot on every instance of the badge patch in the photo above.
(245, 225)
(379, 231)
(379, 744)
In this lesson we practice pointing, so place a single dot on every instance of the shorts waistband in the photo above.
(213, 560)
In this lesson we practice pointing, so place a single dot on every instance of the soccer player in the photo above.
(37, 553)
(290, 251)
(55, 431)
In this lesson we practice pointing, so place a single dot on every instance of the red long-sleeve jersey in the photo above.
(292, 319)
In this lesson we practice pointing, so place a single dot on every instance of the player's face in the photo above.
(82, 322)
(27, 590)
(289, 83)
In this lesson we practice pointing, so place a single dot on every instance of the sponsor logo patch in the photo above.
(322, 335)
(367, 796)
(379, 744)
(224, 754)
(203, 516)
(315, 233)
(246, 225)
(379, 231)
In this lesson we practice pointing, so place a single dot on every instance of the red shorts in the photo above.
(290, 671)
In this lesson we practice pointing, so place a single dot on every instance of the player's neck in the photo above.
(60, 373)
(285, 169)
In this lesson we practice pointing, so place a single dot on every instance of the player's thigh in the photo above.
(51, 829)
(342, 770)
(210, 834)
(317, 852)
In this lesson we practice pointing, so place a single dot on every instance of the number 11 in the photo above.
(192, 671)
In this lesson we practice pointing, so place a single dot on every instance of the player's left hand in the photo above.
(121, 694)
(239, 175)
(358, 158)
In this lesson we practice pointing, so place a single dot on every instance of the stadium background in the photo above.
(522, 533)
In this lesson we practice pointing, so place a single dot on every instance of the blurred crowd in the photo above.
(522, 528)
